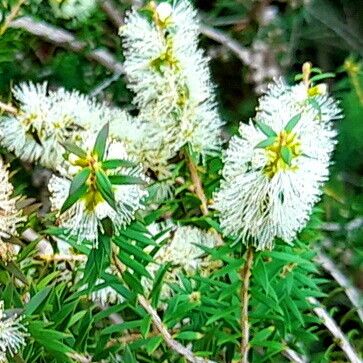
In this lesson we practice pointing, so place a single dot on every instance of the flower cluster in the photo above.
(162, 50)
(46, 119)
(69, 9)
(275, 168)
(84, 217)
(10, 217)
(12, 334)
(184, 255)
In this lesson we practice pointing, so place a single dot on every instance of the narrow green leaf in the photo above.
(125, 180)
(36, 300)
(189, 335)
(79, 180)
(72, 199)
(319, 77)
(286, 155)
(117, 163)
(267, 130)
(262, 336)
(292, 123)
(133, 264)
(104, 186)
(74, 149)
(100, 144)
(265, 143)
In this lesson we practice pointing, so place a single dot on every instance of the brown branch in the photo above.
(67, 40)
(245, 297)
(171, 343)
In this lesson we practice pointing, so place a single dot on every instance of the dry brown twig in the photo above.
(65, 39)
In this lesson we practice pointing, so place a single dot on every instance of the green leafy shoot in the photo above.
(100, 144)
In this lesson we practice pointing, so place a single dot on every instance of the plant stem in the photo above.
(8, 108)
(245, 326)
(197, 183)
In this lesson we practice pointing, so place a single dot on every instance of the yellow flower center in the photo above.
(276, 163)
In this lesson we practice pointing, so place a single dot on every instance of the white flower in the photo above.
(12, 334)
(84, 218)
(269, 191)
(183, 254)
(48, 118)
(68, 9)
(10, 217)
(164, 53)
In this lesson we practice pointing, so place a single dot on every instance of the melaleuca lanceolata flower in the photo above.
(12, 334)
(100, 183)
(10, 216)
(69, 9)
(161, 49)
(275, 168)
(46, 119)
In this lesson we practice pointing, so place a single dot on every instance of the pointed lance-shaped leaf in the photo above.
(292, 123)
(286, 155)
(100, 144)
(125, 179)
(118, 163)
(265, 143)
(267, 130)
(104, 186)
(74, 149)
(73, 198)
(79, 180)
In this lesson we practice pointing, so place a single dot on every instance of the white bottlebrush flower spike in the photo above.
(271, 183)
(10, 217)
(46, 119)
(163, 52)
(183, 254)
(69, 9)
(84, 218)
(12, 334)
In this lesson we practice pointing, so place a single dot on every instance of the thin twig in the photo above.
(294, 356)
(172, 344)
(104, 84)
(65, 39)
(245, 297)
(352, 293)
(8, 108)
(14, 12)
(233, 45)
(334, 329)
(112, 12)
